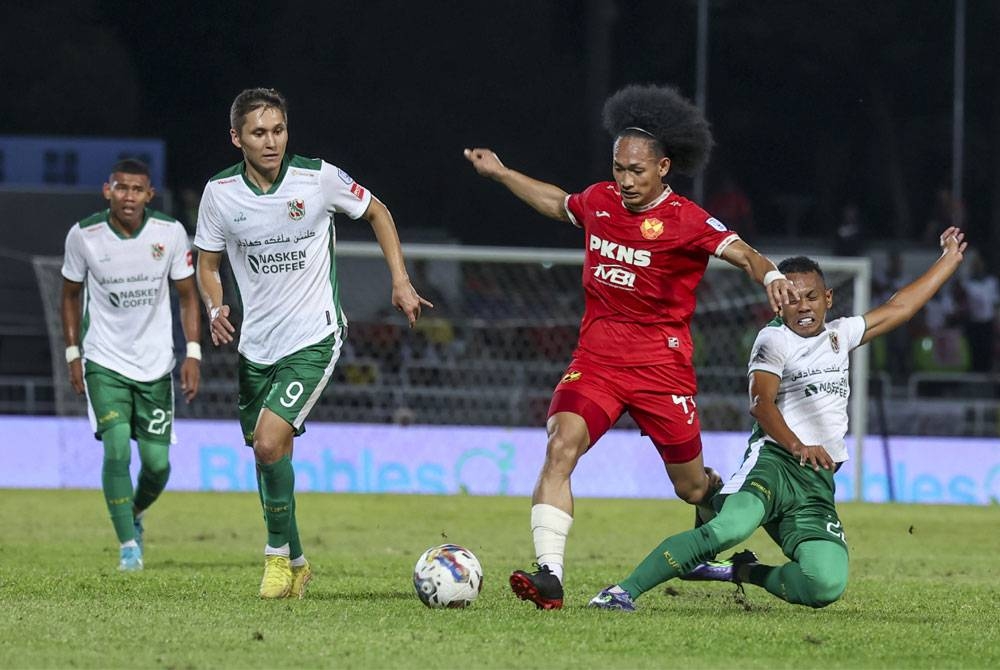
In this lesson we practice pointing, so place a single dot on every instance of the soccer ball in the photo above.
(447, 576)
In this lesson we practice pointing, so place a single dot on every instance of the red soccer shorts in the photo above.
(601, 394)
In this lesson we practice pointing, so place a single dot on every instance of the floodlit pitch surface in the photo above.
(924, 590)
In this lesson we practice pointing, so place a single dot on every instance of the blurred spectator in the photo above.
(944, 211)
(731, 205)
(848, 235)
(979, 295)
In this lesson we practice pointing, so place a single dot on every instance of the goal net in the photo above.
(502, 331)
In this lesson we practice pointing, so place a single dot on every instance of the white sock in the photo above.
(276, 551)
(130, 543)
(549, 528)
(299, 562)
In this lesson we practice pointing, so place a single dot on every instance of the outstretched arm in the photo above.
(906, 302)
(404, 296)
(546, 199)
(761, 270)
(763, 391)
(71, 331)
(210, 285)
(187, 294)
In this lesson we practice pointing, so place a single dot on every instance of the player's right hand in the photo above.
(485, 162)
(219, 326)
(814, 456)
(76, 376)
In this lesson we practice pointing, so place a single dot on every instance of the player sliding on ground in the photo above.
(646, 251)
(798, 396)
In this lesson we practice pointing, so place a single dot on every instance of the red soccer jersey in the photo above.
(639, 277)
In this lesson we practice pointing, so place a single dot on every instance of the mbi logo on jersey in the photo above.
(616, 275)
(619, 252)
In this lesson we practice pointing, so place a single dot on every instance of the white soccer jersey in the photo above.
(814, 387)
(127, 326)
(280, 245)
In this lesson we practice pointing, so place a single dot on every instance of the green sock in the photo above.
(277, 489)
(673, 557)
(154, 473)
(294, 543)
(816, 578)
(116, 480)
(739, 517)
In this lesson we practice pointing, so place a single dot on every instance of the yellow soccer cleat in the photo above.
(300, 578)
(277, 581)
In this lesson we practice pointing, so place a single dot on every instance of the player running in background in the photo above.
(118, 331)
(646, 251)
(272, 214)
(798, 396)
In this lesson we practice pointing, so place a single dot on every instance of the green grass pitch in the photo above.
(924, 590)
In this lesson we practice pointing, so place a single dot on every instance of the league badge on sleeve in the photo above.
(715, 223)
(296, 209)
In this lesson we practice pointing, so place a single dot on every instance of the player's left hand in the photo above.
(953, 242)
(190, 378)
(781, 292)
(406, 299)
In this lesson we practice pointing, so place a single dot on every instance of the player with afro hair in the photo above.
(647, 248)
(677, 127)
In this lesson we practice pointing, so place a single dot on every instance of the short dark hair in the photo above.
(802, 264)
(131, 166)
(255, 98)
(677, 127)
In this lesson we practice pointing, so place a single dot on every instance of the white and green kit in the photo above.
(127, 327)
(281, 246)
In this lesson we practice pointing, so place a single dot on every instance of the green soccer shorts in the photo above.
(798, 501)
(290, 387)
(113, 398)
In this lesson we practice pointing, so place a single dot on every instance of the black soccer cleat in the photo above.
(541, 587)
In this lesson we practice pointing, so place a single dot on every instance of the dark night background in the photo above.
(823, 104)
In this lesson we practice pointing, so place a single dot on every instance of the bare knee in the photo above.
(692, 490)
(563, 451)
(267, 449)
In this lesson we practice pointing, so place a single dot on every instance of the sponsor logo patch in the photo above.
(358, 191)
(296, 209)
(276, 263)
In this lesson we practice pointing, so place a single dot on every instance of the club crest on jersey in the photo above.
(296, 209)
(651, 228)
(834, 342)
(158, 250)
(571, 376)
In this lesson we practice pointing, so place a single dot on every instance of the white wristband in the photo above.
(771, 276)
(194, 350)
(72, 353)
(213, 313)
